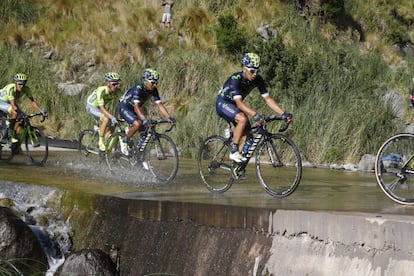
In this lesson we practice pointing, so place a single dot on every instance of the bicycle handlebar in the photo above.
(273, 118)
(28, 116)
(162, 121)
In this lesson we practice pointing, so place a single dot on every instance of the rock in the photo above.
(71, 88)
(19, 244)
(88, 262)
(367, 162)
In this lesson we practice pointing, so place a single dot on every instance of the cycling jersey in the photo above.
(238, 87)
(101, 96)
(138, 94)
(9, 93)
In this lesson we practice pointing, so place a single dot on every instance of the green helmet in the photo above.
(112, 76)
(150, 74)
(251, 60)
(20, 77)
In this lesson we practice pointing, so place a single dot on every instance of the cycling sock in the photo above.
(234, 148)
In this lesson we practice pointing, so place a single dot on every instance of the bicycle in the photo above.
(88, 145)
(278, 161)
(36, 144)
(394, 168)
(157, 154)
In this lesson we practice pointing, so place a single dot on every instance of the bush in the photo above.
(230, 37)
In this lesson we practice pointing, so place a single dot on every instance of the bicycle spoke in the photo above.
(161, 159)
(394, 168)
(88, 148)
(36, 146)
(279, 166)
(214, 164)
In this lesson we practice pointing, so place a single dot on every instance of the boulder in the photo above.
(88, 262)
(19, 247)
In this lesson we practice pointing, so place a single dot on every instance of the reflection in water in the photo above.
(320, 189)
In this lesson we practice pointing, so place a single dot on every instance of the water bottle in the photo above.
(126, 130)
(227, 133)
(247, 145)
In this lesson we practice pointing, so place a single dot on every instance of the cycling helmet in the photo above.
(150, 74)
(251, 60)
(20, 77)
(112, 76)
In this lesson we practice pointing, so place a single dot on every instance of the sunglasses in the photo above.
(21, 84)
(153, 82)
(253, 70)
(114, 83)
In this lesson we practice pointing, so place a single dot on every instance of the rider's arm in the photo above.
(105, 112)
(273, 104)
(138, 111)
(163, 110)
(243, 107)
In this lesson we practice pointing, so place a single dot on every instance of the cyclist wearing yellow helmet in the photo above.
(10, 95)
(133, 99)
(96, 105)
(230, 103)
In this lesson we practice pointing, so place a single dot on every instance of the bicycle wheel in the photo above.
(279, 166)
(88, 148)
(117, 158)
(36, 146)
(394, 168)
(161, 159)
(214, 164)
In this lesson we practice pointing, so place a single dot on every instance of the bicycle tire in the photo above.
(214, 164)
(37, 149)
(88, 148)
(394, 168)
(116, 160)
(160, 159)
(279, 165)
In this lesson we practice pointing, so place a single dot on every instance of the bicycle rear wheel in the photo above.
(88, 148)
(214, 164)
(117, 158)
(279, 166)
(37, 148)
(394, 168)
(161, 158)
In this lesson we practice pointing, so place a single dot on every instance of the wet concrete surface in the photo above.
(320, 189)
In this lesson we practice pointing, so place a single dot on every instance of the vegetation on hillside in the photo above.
(331, 63)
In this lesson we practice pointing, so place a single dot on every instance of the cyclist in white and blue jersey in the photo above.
(230, 103)
(130, 104)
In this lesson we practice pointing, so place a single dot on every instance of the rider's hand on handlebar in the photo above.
(146, 123)
(288, 117)
(44, 113)
(258, 119)
(114, 121)
(171, 120)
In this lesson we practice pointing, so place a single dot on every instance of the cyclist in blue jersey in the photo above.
(230, 103)
(130, 104)
(96, 105)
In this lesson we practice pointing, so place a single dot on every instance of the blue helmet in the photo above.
(251, 60)
(150, 74)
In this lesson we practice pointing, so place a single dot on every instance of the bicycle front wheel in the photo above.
(214, 164)
(161, 159)
(117, 153)
(394, 168)
(279, 166)
(88, 148)
(37, 148)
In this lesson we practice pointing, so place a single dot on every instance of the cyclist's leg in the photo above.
(230, 113)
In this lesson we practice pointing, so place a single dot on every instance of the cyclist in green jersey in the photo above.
(96, 105)
(9, 98)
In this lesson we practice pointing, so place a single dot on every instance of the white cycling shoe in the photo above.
(237, 157)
